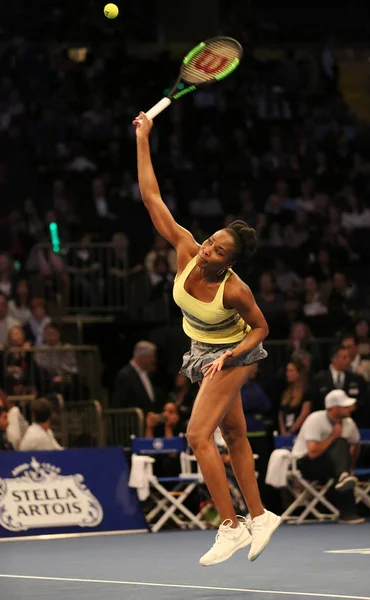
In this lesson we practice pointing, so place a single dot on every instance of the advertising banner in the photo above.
(74, 491)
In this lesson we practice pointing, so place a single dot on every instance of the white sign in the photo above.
(38, 496)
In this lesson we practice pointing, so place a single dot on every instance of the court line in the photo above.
(349, 551)
(66, 536)
(183, 586)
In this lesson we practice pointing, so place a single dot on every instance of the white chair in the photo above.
(169, 504)
(362, 489)
(309, 496)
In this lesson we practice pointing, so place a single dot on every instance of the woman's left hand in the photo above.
(217, 364)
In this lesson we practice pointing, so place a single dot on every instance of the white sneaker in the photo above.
(346, 482)
(262, 527)
(228, 541)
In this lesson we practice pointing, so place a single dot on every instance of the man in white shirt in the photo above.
(39, 435)
(327, 447)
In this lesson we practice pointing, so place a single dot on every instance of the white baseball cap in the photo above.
(338, 398)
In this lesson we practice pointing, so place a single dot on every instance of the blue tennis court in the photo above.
(323, 561)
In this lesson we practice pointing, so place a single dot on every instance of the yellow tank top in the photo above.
(208, 322)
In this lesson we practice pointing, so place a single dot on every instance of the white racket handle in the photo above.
(158, 108)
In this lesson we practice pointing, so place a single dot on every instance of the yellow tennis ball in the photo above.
(111, 11)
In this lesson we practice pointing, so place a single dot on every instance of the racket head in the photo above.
(211, 60)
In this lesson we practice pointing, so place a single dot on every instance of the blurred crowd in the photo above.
(275, 145)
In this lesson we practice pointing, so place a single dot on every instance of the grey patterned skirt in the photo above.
(200, 354)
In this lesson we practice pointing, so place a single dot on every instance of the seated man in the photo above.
(327, 447)
(39, 435)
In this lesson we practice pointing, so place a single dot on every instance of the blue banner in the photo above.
(69, 491)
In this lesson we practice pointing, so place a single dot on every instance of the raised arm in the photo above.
(162, 219)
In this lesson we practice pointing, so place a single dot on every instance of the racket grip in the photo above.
(158, 108)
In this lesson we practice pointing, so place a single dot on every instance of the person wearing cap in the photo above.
(327, 447)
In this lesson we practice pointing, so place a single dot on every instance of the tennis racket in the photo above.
(208, 62)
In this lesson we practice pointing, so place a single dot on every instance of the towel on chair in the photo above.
(141, 471)
(277, 468)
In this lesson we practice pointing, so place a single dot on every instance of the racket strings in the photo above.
(213, 59)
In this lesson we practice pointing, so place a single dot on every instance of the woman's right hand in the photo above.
(143, 126)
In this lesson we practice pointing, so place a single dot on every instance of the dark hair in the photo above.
(297, 361)
(52, 325)
(15, 294)
(347, 336)
(244, 237)
(3, 409)
(42, 410)
(335, 350)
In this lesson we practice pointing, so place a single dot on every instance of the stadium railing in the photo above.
(37, 371)
(120, 424)
(102, 286)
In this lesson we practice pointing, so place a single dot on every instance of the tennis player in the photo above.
(226, 329)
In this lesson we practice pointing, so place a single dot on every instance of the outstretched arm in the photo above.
(162, 219)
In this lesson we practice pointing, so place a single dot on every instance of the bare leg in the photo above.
(213, 401)
(234, 431)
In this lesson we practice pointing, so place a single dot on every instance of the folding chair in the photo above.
(362, 489)
(308, 495)
(169, 504)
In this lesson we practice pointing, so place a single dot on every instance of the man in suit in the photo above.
(133, 387)
(338, 376)
(358, 364)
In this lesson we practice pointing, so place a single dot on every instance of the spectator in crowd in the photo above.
(183, 396)
(166, 424)
(34, 329)
(47, 270)
(362, 333)
(286, 278)
(133, 387)
(20, 371)
(6, 320)
(17, 424)
(84, 268)
(338, 376)
(161, 248)
(342, 302)
(328, 447)
(313, 302)
(6, 274)
(18, 305)
(4, 442)
(58, 370)
(294, 404)
(301, 339)
(39, 435)
(358, 365)
(122, 266)
(270, 302)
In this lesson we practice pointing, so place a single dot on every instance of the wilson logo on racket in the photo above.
(209, 62)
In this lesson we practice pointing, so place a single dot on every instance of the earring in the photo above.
(221, 272)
